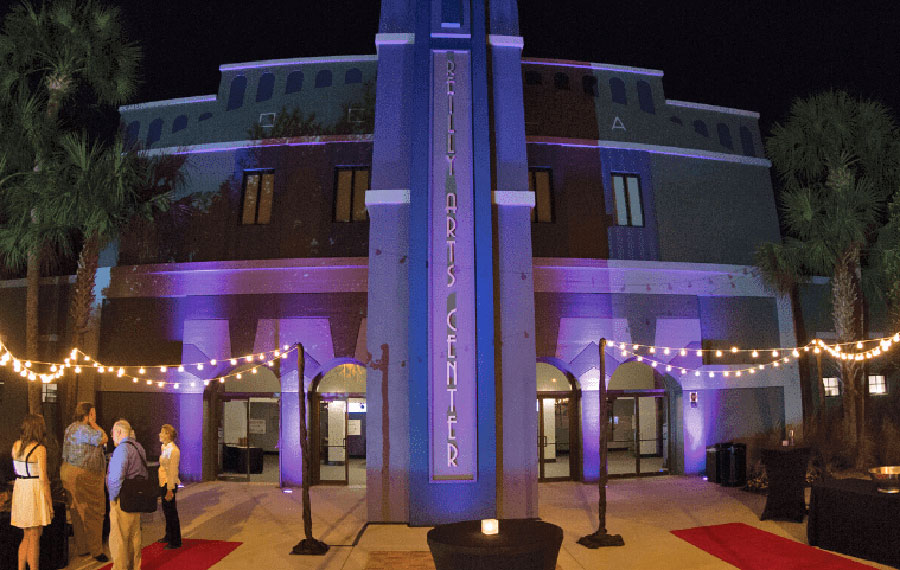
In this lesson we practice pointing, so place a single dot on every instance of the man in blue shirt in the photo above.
(125, 528)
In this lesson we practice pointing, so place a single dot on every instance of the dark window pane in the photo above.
(323, 78)
(204, 117)
(251, 191)
(589, 85)
(676, 120)
(617, 89)
(700, 128)
(747, 142)
(645, 97)
(294, 82)
(724, 135)
(236, 94)
(265, 87)
(179, 123)
(353, 76)
(154, 132)
(133, 132)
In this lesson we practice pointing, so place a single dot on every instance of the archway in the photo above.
(337, 404)
(639, 442)
(559, 422)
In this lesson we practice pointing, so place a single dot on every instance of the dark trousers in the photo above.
(170, 510)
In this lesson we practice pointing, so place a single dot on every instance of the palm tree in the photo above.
(105, 189)
(51, 52)
(838, 159)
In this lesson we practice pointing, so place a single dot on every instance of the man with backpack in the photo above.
(129, 461)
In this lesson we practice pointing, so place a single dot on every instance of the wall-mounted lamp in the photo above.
(490, 526)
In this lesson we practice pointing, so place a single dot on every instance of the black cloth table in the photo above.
(786, 474)
(850, 516)
(235, 458)
(521, 544)
(54, 541)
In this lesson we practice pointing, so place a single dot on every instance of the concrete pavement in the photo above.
(268, 523)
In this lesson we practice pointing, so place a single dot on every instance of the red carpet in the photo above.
(194, 554)
(749, 548)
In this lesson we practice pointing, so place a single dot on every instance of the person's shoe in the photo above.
(101, 558)
(163, 540)
(172, 546)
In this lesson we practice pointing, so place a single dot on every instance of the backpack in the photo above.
(138, 494)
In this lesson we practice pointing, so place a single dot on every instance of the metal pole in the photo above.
(601, 537)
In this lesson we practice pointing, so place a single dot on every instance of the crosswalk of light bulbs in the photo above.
(47, 372)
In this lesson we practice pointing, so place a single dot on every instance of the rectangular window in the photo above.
(627, 198)
(259, 189)
(540, 181)
(350, 187)
(877, 387)
(831, 386)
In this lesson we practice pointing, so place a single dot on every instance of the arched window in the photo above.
(265, 87)
(747, 142)
(700, 128)
(724, 135)
(294, 82)
(204, 117)
(589, 85)
(676, 120)
(617, 88)
(236, 95)
(353, 75)
(561, 81)
(645, 97)
(154, 132)
(180, 123)
(133, 131)
(323, 78)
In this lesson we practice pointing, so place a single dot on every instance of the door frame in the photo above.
(660, 394)
(314, 399)
(574, 404)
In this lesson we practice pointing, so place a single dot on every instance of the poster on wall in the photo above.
(354, 428)
(257, 427)
(452, 386)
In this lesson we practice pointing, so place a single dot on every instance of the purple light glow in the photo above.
(588, 65)
(296, 61)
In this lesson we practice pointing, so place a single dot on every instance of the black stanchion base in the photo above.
(310, 547)
(599, 539)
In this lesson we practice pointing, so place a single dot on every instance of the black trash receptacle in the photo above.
(732, 464)
(712, 464)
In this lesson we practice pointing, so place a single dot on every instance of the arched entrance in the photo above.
(247, 421)
(559, 424)
(639, 442)
(337, 423)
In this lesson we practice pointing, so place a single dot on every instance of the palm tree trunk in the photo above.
(81, 309)
(32, 290)
(845, 300)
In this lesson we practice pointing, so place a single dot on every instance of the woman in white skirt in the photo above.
(31, 502)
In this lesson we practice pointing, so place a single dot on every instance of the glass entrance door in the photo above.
(554, 449)
(333, 420)
(234, 448)
(638, 442)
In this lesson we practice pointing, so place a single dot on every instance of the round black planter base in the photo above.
(598, 539)
(310, 547)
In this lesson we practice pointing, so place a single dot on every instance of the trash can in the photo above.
(712, 464)
(732, 464)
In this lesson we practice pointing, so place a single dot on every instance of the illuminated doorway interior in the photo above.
(338, 426)
(559, 425)
(638, 422)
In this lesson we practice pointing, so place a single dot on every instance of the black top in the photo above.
(513, 533)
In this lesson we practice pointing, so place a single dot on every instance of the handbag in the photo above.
(138, 494)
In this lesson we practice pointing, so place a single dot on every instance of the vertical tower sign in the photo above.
(453, 386)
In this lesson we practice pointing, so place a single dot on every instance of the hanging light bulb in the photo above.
(134, 380)
(100, 369)
(176, 385)
(27, 364)
(149, 382)
(249, 358)
(213, 362)
(652, 350)
(859, 344)
(239, 376)
(181, 368)
(683, 352)
(699, 354)
(254, 370)
(774, 354)
(653, 364)
(206, 382)
(738, 373)
(640, 358)
(696, 373)
(795, 354)
(718, 354)
(74, 354)
(199, 367)
(734, 349)
(233, 361)
(712, 374)
(668, 368)
(78, 370)
(754, 354)
(666, 351)
(634, 347)
(163, 368)
(141, 371)
(221, 380)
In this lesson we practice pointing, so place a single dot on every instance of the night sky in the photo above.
(757, 55)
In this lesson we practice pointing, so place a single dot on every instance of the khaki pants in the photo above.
(87, 505)
(124, 538)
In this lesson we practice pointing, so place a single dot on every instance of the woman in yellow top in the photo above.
(31, 503)
(168, 485)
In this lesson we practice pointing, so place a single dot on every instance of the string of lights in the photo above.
(47, 372)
